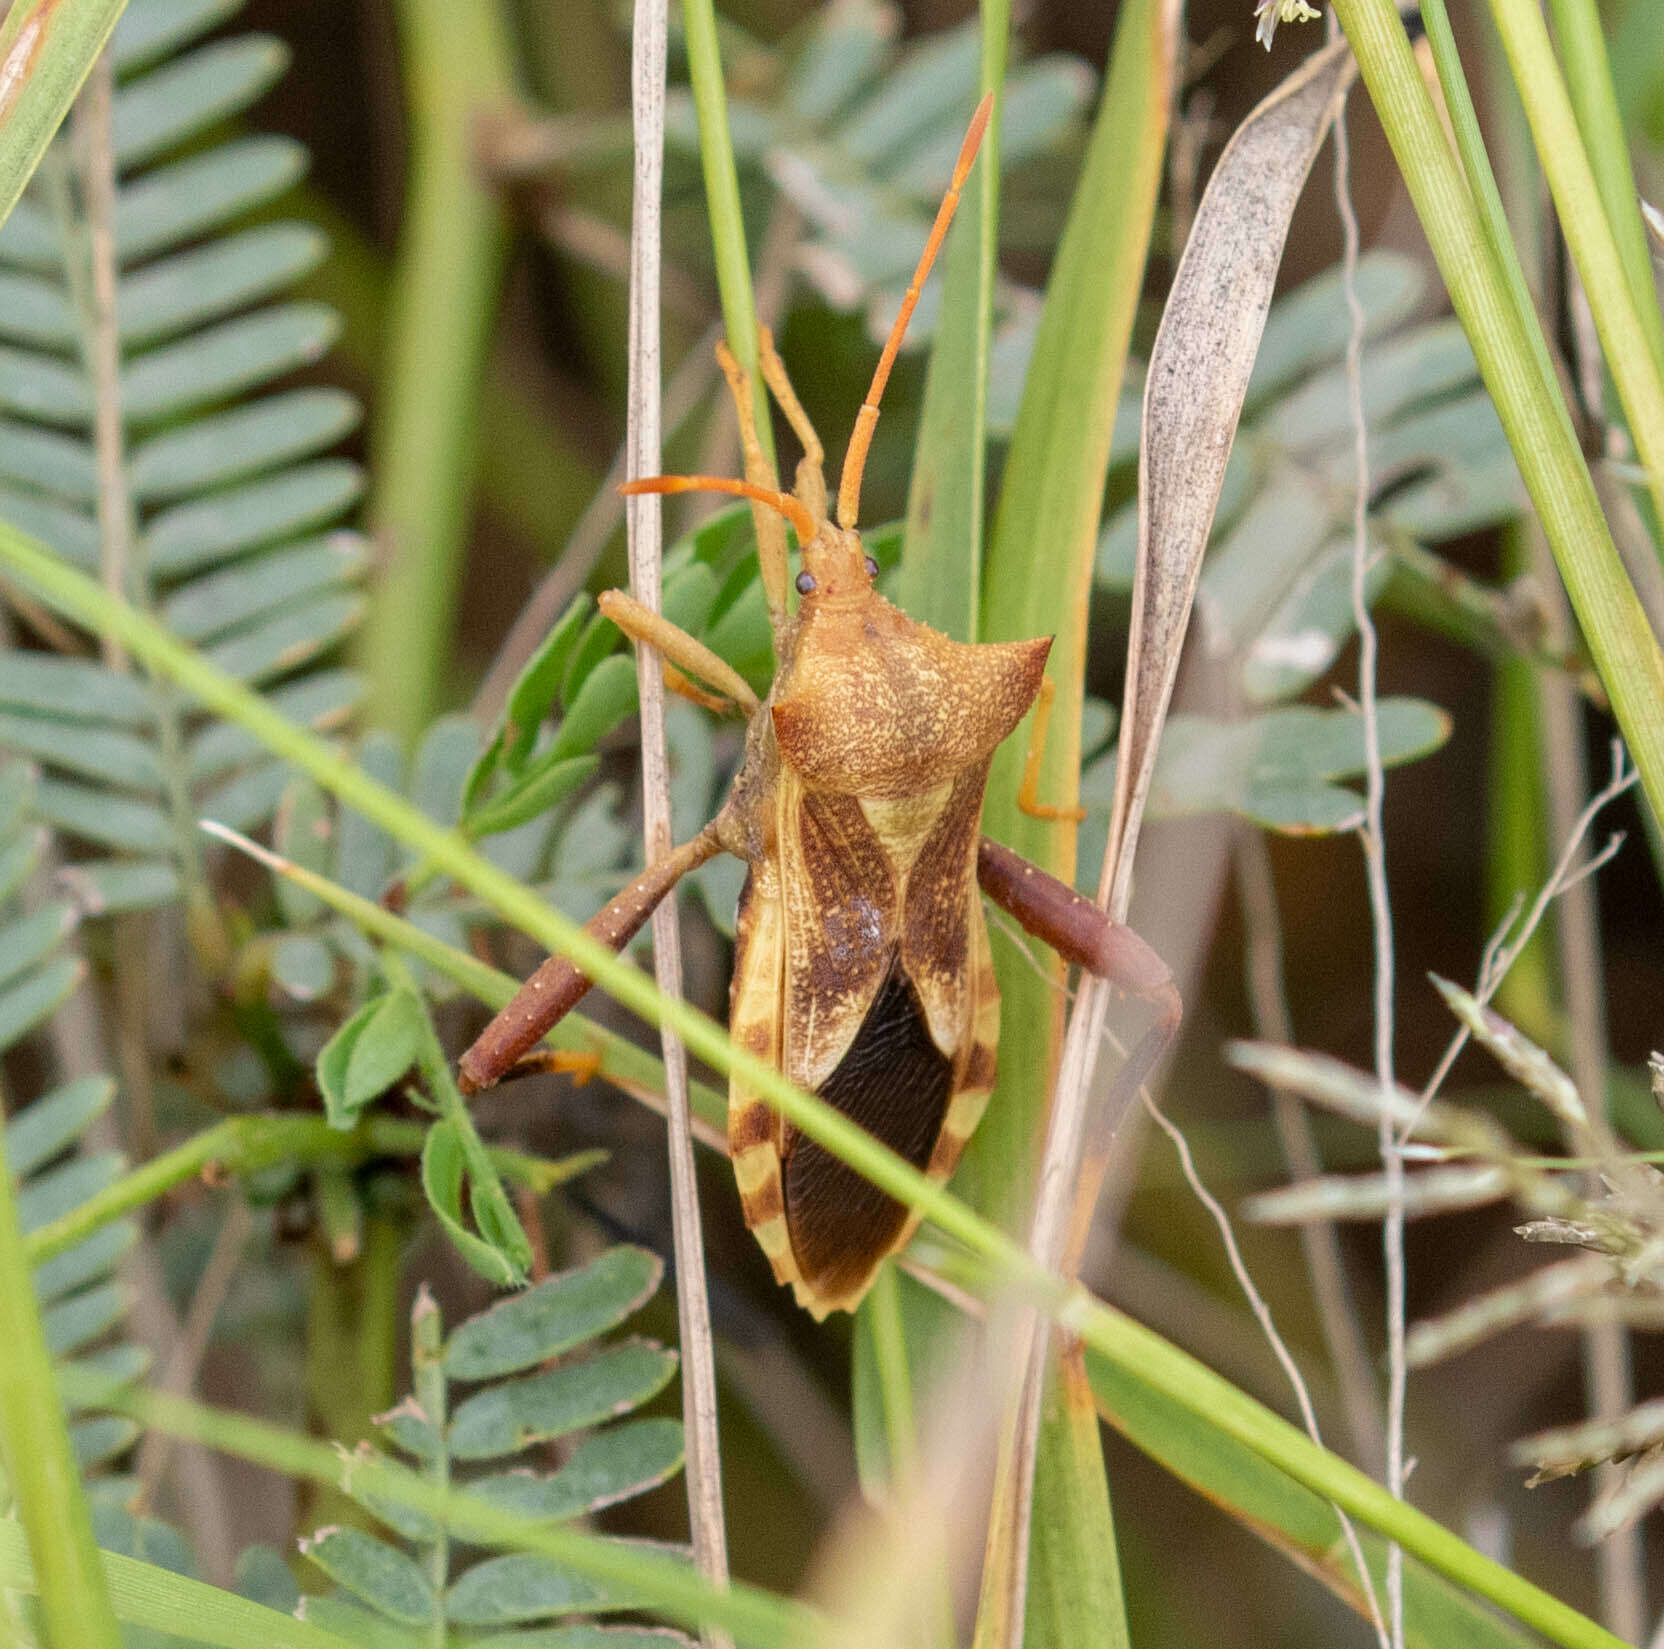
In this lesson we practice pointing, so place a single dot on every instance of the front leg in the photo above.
(681, 653)
(1081, 932)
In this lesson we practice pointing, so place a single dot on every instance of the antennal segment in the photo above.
(784, 503)
(855, 460)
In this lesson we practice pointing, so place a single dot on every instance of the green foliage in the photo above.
(56, 1168)
(577, 1387)
(58, 1163)
(369, 1054)
(224, 483)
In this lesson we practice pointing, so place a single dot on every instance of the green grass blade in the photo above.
(46, 49)
(1517, 851)
(1638, 66)
(940, 584)
(1037, 580)
(1589, 233)
(1292, 1518)
(1038, 572)
(1625, 652)
(39, 1463)
(443, 312)
(941, 556)
(1594, 101)
(722, 202)
(1074, 1573)
(186, 1610)
(1476, 164)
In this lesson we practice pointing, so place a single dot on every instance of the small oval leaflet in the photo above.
(371, 1569)
(558, 1313)
(504, 1419)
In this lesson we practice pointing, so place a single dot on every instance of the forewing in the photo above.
(841, 915)
(936, 942)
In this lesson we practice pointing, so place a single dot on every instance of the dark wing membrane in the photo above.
(894, 1082)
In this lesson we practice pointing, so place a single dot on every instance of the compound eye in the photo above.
(805, 583)
(872, 568)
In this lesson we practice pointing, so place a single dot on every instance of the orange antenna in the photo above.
(855, 460)
(786, 503)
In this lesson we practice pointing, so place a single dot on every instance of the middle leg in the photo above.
(1028, 792)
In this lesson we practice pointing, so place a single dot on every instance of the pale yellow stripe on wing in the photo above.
(775, 1241)
(754, 1167)
(821, 1306)
(754, 1011)
(753, 1129)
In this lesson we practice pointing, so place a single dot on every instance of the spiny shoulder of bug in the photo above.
(867, 701)
(839, 614)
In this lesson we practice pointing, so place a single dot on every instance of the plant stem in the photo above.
(1476, 165)
(427, 1363)
(662, 1579)
(645, 523)
(722, 203)
(1594, 99)
(350, 1329)
(493, 1211)
(458, 71)
(532, 477)
(249, 1145)
(629, 1068)
(941, 564)
(1627, 344)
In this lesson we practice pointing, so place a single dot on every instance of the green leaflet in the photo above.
(560, 1316)
(227, 507)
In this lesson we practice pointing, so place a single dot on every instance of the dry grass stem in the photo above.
(643, 521)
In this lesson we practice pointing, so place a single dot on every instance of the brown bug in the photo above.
(862, 966)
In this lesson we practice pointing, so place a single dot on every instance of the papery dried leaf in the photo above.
(1643, 1313)
(1635, 1493)
(1198, 377)
(1335, 1086)
(1655, 227)
(1577, 1233)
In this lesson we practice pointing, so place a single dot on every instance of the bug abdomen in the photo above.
(895, 1083)
(903, 1047)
